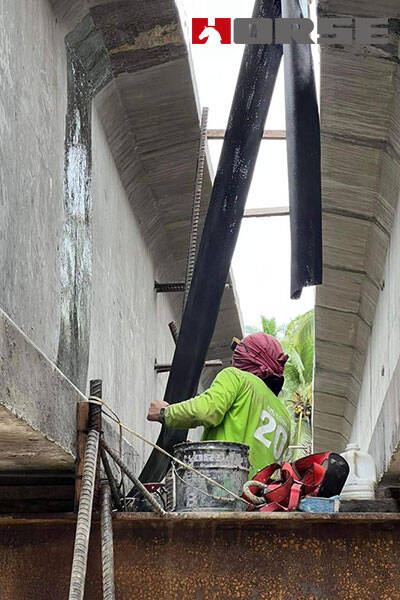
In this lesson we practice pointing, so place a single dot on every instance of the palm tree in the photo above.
(297, 340)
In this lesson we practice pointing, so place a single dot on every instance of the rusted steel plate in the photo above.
(219, 557)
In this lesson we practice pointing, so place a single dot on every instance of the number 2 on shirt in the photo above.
(280, 437)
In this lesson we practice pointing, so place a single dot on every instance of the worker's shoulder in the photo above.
(235, 378)
(230, 373)
(242, 377)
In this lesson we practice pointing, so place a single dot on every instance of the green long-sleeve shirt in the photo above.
(237, 407)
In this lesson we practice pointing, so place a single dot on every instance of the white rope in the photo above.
(117, 420)
(256, 500)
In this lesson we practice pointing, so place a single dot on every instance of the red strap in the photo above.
(301, 478)
(303, 464)
(280, 493)
(265, 474)
(295, 495)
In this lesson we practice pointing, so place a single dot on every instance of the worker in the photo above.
(242, 404)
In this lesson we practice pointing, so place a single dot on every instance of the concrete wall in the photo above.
(32, 123)
(376, 423)
(129, 320)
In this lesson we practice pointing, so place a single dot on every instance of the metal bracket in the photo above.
(174, 286)
(165, 368)
(179, 286)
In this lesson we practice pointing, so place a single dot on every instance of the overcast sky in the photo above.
(261, 264)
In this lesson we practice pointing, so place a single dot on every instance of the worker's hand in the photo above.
(154, 410)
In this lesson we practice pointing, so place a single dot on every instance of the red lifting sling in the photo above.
(321, 475)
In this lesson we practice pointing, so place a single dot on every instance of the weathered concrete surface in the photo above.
(35, 391)
(24, 449)
(145, 131)
(209, 557)
(38, 409)
(360, 94)
(377, 418)
(32, 117)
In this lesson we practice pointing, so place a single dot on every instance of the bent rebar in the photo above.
(138, 484)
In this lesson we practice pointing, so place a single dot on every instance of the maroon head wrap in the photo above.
(264, 357)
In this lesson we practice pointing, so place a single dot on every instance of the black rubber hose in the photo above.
(304, 160)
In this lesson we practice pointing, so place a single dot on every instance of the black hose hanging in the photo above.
(304, 160)
(243, 135)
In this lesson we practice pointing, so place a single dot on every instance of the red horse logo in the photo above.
(211, 31)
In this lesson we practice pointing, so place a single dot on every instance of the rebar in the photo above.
(138, 484)
(111, 480)
(95, 422)
(166, 367)
(107, 543)
(96, 389)
(81, 546)
(196, 204)
(174, 286)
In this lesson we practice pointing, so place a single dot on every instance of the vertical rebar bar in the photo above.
(79, 562)
(196, 203)
(95, 422)
(96, 390)
(107, 543)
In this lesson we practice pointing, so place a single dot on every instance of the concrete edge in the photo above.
(33, 389)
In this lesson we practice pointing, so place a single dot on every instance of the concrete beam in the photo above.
(278, 211)
(359, 96)
(269, 134)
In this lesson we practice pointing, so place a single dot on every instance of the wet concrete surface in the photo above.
(211, 557)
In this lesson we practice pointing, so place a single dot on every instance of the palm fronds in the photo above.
(297, 340)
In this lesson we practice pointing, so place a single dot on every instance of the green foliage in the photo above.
(297, 340)
(270, 326)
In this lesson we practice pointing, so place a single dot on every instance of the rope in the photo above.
(256, 500)
(114, 417)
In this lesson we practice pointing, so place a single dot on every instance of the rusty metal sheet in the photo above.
(211, 557)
